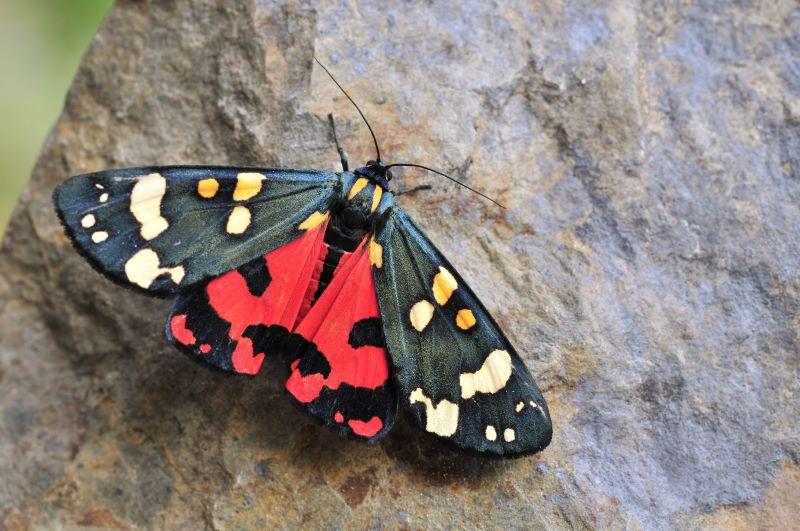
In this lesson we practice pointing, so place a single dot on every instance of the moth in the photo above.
(324, 270)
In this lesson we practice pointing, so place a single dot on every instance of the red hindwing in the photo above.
(332, 326)
(334, 345)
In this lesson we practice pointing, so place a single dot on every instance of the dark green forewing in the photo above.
(165, 228)
(455, 371)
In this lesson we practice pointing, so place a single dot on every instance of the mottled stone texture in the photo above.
(646, 266)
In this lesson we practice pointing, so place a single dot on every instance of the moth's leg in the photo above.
(413, 190)
(342, 156)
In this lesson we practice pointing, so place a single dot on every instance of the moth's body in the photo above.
(352, 221)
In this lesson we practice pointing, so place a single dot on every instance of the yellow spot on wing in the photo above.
(509, 435)
(376, 199)
(520, 407)
(208, 188)
(441, 419)
(490, 378)
(99, 236)
(421, 314)
(146, 197)
(103, 197)
(443, 286)
(375, 253)
(239, 220)
(88, 221)
(144, 268)
(491, 433)
(465, 319)
(359, 185)
(313, 221)
(248, 185)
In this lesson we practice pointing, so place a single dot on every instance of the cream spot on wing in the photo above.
(441, 419)
(248, 185)
(208, 188)
(376, 199)
(144, 268)
(313, 221)
(88, 221)
(375, 253)
(103, 197)
(421, 314)
(509, 435)
(177, 274)
(534, 405)
(520, 406)
(465, 319)
(491, 433)
(146, 197)
(490, 378)
(359, 185)
(99, 236)
(443, 286)
(239, 220)
(99, 186)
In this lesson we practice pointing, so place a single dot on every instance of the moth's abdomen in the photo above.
(330, 259)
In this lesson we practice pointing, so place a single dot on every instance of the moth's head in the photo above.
(377, 172)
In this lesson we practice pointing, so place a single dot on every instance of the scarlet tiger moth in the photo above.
(325, 270)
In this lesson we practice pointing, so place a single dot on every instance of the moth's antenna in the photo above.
(437, 172)
(375, 140)
(378, 149)
(342, 155)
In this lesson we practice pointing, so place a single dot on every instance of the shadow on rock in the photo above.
(436, 463)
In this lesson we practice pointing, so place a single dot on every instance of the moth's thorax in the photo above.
(354, 215)
(362, 198)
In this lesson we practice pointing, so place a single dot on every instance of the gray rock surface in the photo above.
(647, 265)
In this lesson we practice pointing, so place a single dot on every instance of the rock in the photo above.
(646, 266)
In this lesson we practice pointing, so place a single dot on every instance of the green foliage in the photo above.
(41, 44)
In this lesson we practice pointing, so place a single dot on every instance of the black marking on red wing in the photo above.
(355, 409)
(196, 329)
(305, 356)
(256, 275)
(346, 409)
(367, 331)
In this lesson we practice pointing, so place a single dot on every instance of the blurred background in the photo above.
(41, 44)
